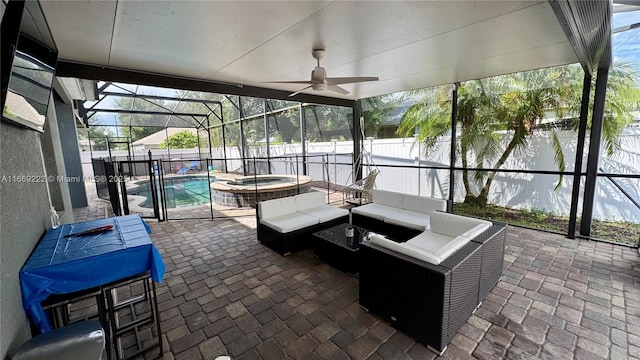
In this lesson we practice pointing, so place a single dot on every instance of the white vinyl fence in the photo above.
(526, 191)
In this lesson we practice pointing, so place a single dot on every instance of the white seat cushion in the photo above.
(406, 249)
(290, 222)
(429, 241)
(452, 246)
(409, 219)
(439, 245)
(276, 207)
(325, 213)
(375, 211)
(309, 200)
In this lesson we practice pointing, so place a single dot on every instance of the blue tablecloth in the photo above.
(61, 265)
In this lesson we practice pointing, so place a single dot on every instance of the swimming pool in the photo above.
(180, 192)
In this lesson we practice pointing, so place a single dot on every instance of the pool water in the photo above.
(179, 192)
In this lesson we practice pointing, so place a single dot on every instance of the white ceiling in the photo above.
(408, 45)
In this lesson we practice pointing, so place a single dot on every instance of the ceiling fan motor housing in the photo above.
(318, 54)
(319, 75)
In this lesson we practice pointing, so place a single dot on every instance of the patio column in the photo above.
(594, 151)
(577, 171)
(452, 154)
(166, 138)
(224, 140)
(209, 136)
(356, 134)
(303, 140)
(242, 139)
(266, 133)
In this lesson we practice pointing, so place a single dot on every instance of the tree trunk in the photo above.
(482, 198)
(465, 173)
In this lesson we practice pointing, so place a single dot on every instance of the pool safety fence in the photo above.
(208, 188)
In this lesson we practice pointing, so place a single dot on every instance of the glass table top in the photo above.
(336, 234)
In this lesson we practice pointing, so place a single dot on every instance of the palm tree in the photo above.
(514, 105)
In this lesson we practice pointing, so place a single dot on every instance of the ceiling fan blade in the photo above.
(287, 82)
(338, 89)
(299, 91)
(349, 80)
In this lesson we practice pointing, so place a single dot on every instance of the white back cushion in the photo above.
(309, 200)
(455, 225)
(276, 207)
(422, 204)
(476, 230)
(387, 198)
(376, 211)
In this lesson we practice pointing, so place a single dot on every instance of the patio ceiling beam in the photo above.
(104, 86)
(146, 112)
(173, 111)
(274, 112)
(625, 8)
(68, 68)
(587, 25)
(94, 105)
(211, 111)
(158, 97)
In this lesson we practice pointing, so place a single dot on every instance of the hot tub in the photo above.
(246, 191)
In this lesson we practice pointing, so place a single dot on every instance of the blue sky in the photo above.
(626, 45)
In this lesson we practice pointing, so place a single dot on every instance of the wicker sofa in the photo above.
(394, 212)
(430, 285)
(285, 224)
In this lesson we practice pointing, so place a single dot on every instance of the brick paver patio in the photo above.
(226, 294)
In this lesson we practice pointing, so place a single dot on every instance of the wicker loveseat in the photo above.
(430, 285)
(395, 212)
(285, 224)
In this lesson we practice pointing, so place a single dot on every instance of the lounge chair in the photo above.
(193, 167)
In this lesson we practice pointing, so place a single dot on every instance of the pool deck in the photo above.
(224, 293)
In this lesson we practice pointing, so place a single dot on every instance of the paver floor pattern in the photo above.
(226, 294)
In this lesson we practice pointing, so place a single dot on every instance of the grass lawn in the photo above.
(615, 231)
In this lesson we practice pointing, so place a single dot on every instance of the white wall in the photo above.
(24, 212)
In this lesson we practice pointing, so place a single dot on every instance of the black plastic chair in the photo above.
(84, 340)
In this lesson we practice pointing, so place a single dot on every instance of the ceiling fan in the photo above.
(319, 80)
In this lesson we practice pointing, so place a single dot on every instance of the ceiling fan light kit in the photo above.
(320, 82)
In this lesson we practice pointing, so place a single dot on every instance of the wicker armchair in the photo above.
(361, 189)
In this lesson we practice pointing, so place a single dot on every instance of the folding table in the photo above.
(76, 267)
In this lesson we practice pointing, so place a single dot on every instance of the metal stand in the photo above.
(127, 310)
